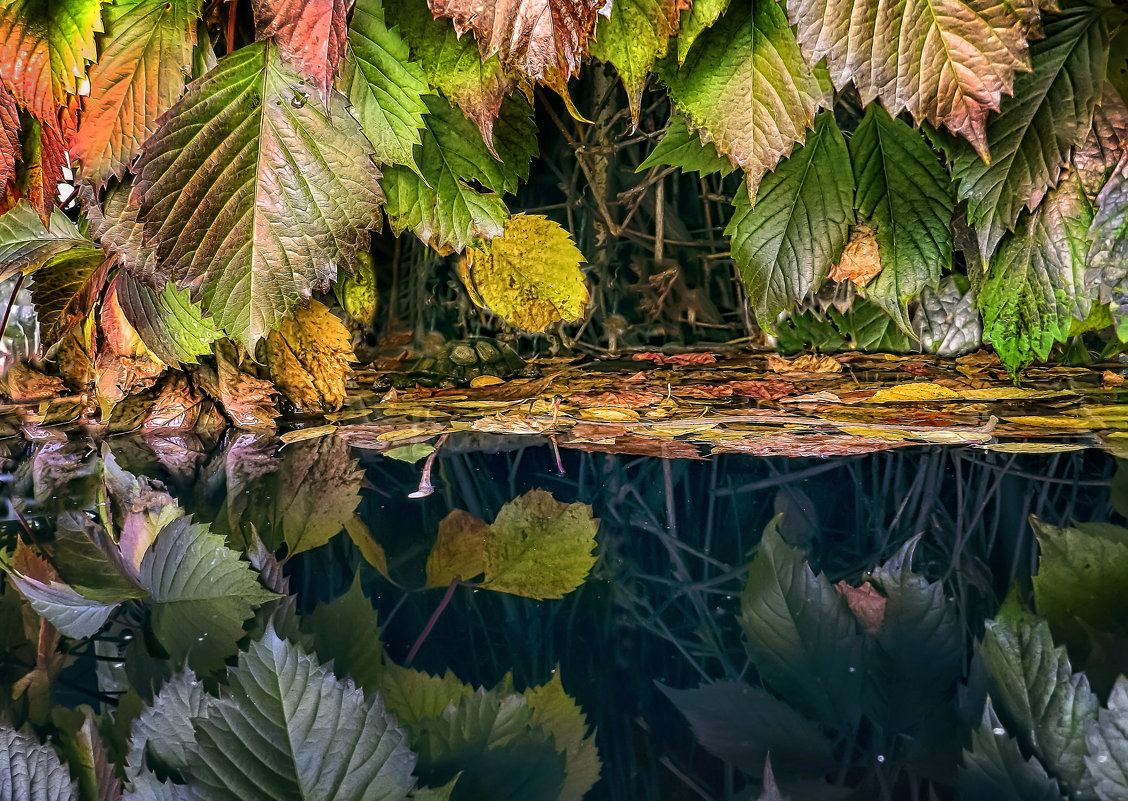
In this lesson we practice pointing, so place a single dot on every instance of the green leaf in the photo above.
(453, 64)
(945, 61)
(905, 194)
(26, 245)
(745, 86)
(682, 147)
(162, 739)
(1035, 285)
(30, 771)
(288, 729)
(44, 47)
(785, 246)
(1107, 265)
(539, 547)
(250, 194)
(142, 70)
(1082, 573)
(315, 492)
(412, 453)
(632, 39)
(66, 287)
(201, 593)
(740, 725)
(442, 208)
(85, 753)
(346, 631)
(1046, 705)
(1031, 136)
(62, 607)
(701, 15)
(168, 322)
(994, 769)
(1108, 746)
(384, 87)
(868, 327)
(801, 635)
(557, 714)
(416, 696)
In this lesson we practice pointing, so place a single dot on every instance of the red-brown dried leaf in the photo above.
(764, 390)
(44, 157)
(634, 445)
(867, 604)
(179, 406)
(543, 39)
(821, 444)
(9, 137)
(248, 400)
(24, 383)
(703, 391)
(623, 400)
(676, 359)
(310, 35)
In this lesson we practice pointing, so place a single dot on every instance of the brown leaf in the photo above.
(859, 262)
(459, 550)
(1107, 142)
(179, 406)
(310, 34)
(676, 359)
(635, 445)
(308, 358)
(36, 684)
(702, 391)
(765, 390)
(867, 604)
(1111, 379)
(9, 137)
(248, 401)
(807, 363)
(625, 400)
(24, 383)
(543, 39)
(821, 444)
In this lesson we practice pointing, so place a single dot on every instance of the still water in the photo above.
(834, 622)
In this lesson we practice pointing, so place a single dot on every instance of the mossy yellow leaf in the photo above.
(308, 357)
(920, 391)
(530, 275)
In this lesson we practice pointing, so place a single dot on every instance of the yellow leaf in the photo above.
(943, 436)
(308, 357)
(371, 550)
(485, 381)
(1033, 447)
(303, 434)
(921, 391)
(459, 550)
(397, 434)
(608, 414)
(808, 363)
(530, 276)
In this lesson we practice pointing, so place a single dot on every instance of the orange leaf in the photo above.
(867, 604)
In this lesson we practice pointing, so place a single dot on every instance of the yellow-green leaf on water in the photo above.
(530, 275)
(539, 547)
(459, 550)
(1033, 447)
(411, 453)
(919, 391)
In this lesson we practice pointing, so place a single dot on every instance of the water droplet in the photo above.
(998, 731)
(199, 639)
(299, 99)
(117, 665)
(1102, 758)
(186, 69)
(852, 668)
(881, 757)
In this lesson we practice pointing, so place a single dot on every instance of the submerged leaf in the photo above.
(161, 738)
(459, 550)
(558, 714)
(994, 768)
(346, 632)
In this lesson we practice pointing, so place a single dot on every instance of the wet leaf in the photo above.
(416, 696)
(22, 382)
(310, 36)
(287, 728)
(346, 632)
(746, 87)
(676, 358)
(808, 363)
(786, 244)
(994, 768)
(946, 322)
(85, 751)
(459, 550)
(308, 357)
(277, 196)
(801, 635)
(701, 16)
(915, 391)
(539, 547)
(530, 275)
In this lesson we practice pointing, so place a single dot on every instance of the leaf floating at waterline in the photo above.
(253, 197)
(530, 275)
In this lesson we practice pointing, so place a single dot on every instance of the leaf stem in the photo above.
(443, 604)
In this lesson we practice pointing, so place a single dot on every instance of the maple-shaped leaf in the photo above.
(169, 324)
(785, 246)
(310, 36)
(530, 275)
(453, 65)
(65, 289)
(443, 208)
(44, 47)
(745, 86)
(701, 15)
(9, 137)
(383, 85)
(905, 194)
(945, 61)
(1107, 267)
(682, 147)
(543, 39)
(26, 244)
(1107, 142)
(1035, 286)
(1031, 136)
(144, 64)
(634, 38)
(252, 196)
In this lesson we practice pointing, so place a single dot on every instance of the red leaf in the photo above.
(867, 604)
(677, 358)
(44, 156)
(9, 137)
(310, 35)
(623, 400)
(544, 39)
(765, 390)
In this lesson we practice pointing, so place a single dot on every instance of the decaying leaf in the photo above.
(459, 550)
(867, 604)
(808, 363)
(308, 357)
(530, 275)
(248, 400)
(23, 383)
(859, 262)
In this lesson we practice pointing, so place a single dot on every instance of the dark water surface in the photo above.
(875, 698)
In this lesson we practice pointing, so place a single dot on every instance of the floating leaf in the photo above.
(1035, 287)
(682, 147)
(539, 547)
(745, 86)
(140, 73)
(1030, 679)
(288, 729)
(384, 87)
(945, 62)
(1031, 136)
(252, 196)
(530, 275)
(309, 356)
(310, 36)
(202, 592)
(459, 550)
(786, 245)
(994, 768)
(801, 635)
(30, 770)
(1108, 746)
(412, 453)
(905, 194)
